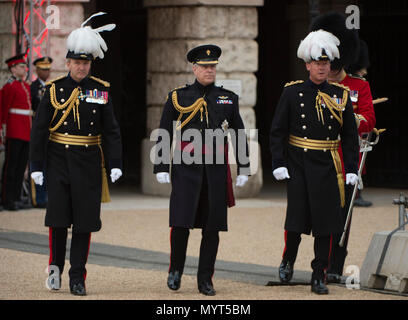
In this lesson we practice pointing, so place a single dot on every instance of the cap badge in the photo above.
(208, 52)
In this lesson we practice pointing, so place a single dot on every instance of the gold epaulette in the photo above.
(357, 77)
(105, 83)
(179, 87)
(54, 80)
(292, 83)
(340, 85)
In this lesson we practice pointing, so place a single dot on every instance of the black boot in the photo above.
(360, 202)
(78, 289)
(206, 288)
(285, 271)
(319, 287)
(174, 280)
(332, 277)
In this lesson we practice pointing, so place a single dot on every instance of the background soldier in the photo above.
(16, 122)
(43, 69)
(200, 192)
(74, 115)
(360, 95)
(304, 141)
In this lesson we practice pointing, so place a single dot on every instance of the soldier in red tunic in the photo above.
(16, 124)
(362, 100)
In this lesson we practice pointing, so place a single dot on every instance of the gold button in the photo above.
(86, 145)
(334, 96)
(65, 123)
(305, 150)
(305, 138)
(303, 116)
(62, 100)
(91, 123)
(66, 146)
(94, 111)
(302, 104)
(329, 127)
(324, 150)
(331, 117)
(63, 111)
(304, 127)
(61, 89)
(300, 94)
(327, 138)
(66, 133)
(89, 134)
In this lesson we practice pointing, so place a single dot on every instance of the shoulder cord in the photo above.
(331, 105)
(197, 105)
(72, 102)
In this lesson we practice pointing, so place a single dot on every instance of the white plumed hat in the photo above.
(319, 45)
(86, 43)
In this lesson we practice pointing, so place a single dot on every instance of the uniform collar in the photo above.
(75, 83)
(203, 89)
(315, 86)
(41, 82)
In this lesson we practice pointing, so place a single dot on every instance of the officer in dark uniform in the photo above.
(43, 68)
(304, 140)
(74, 116)
(202, 190)
(16, 121)
(362, 101)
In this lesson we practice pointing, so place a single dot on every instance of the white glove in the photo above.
(281, 173)
(351, 178)
(241, 180)
(115, 174)
(38, 177)
(163, 177)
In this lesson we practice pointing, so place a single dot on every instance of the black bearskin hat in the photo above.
(335, 23)
(363, 60)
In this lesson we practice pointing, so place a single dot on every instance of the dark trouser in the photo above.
(322, 248)
(80, 244)
(339, 254)
(208, 252)
(15, 162)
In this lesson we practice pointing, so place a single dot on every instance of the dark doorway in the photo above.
(384, 26)
(124, 66)
(273, 71)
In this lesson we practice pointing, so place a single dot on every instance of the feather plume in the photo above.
(315, 42)
(87, 40)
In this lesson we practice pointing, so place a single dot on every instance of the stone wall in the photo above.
(175, 27)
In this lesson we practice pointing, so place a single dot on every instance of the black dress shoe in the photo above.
(333, 278)
(174, 280)
(206, 288)
(78, 289)
(54, 279)
(360, 202)
(285, 271)
(319, 287)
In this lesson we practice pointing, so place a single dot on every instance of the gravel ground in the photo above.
(255, 236)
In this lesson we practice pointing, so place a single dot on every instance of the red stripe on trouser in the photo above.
(87, 253)
(171, 229)
(286, 239)
(328, 258)
(50, 245)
